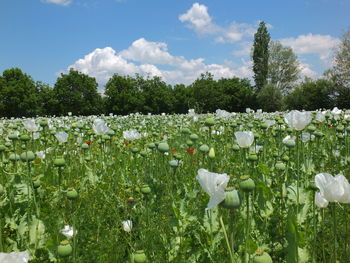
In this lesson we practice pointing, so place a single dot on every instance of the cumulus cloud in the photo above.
(198, 19)
(147, 58)
(58, 2)
(321, 45)
(306, 71)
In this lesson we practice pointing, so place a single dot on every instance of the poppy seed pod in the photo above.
(194, 137)
(64, 249)
(72, 194)
(145, 189)
(204, 148)
(212, 153)
(59, 162)
(262, 257)
(163, 147)
(85, 146)
(209, 122)
(280, 166)
(24, 137)
(13, 136)
(27, 156)
(232, 199)
(246, 184)
(174, 163)
(140, 256)
(151, 145)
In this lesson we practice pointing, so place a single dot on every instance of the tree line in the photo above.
(276, 76)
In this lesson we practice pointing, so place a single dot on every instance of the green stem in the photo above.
(227, 241)
(334, 232)
(247, 256)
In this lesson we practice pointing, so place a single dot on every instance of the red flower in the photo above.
(191, 150)
(173, 151)
(126, 143)
(88, 143)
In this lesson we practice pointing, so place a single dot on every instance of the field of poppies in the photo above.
(224, 187)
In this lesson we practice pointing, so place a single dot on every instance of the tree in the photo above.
(341, 72)
(18, 94)
(77, 93)
(283, 67)
(311, 95)
(261, 56)
(123, 96)
(270, 98)
(46, 102)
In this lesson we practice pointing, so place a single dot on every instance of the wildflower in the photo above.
(130, 135)
(30, 125)
(100, 127)
(14, 257)
(127, 225)
(244, 139)
(298, 120)
(61, 136)
(68, 231)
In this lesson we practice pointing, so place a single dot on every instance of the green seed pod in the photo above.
(232, 199)
(140, 256)
(151, 146)
(340, 128)
(13, 136)
(290, 143)
(246, 184)
(189, 143)
(36, 182)
(194, 137)
(27, 156)
(59, 162)
(252, 157)
(209, 122)
(318, 134)
(185, 131)
(285, 158)
(145, 189)
(311, 128)
(72, 194)
(177, 156)
(135, 150)
(280, 166)
(262, 257)
(204, 148)
(85, 146)
(163, 147)
(2, 147)
(43, 123)
(64, 249)
(143, 153)
(14, 157)
(235, 147)
(174, 163)
(24, 137)
(263, 126)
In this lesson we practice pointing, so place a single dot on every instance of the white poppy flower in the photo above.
(61, 136)
(127, 225)
(14, 257)
(244, 139)
(333, 189)
(100, 127)
(30, 125)
(298, 120)
(320, 116)
(320, 201)
(130, 135)
(41, 154)
(68, 232)
(213, 184)
(336, 111)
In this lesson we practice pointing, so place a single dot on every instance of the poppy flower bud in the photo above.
(246, 184)
(232, 199)
(211, 153)
(64, 249)
(262, 257)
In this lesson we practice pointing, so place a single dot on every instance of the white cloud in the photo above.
(245, 50)
(322, 45)
(306, 71)
(146, 58)
(58, 2)
(198, 19)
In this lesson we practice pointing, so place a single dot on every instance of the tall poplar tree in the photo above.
(261, 56)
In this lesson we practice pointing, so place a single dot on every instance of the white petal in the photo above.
(320, 201)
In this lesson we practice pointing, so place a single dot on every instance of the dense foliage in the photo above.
(126, 188)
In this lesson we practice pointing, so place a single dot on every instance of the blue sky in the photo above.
(176, 39)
